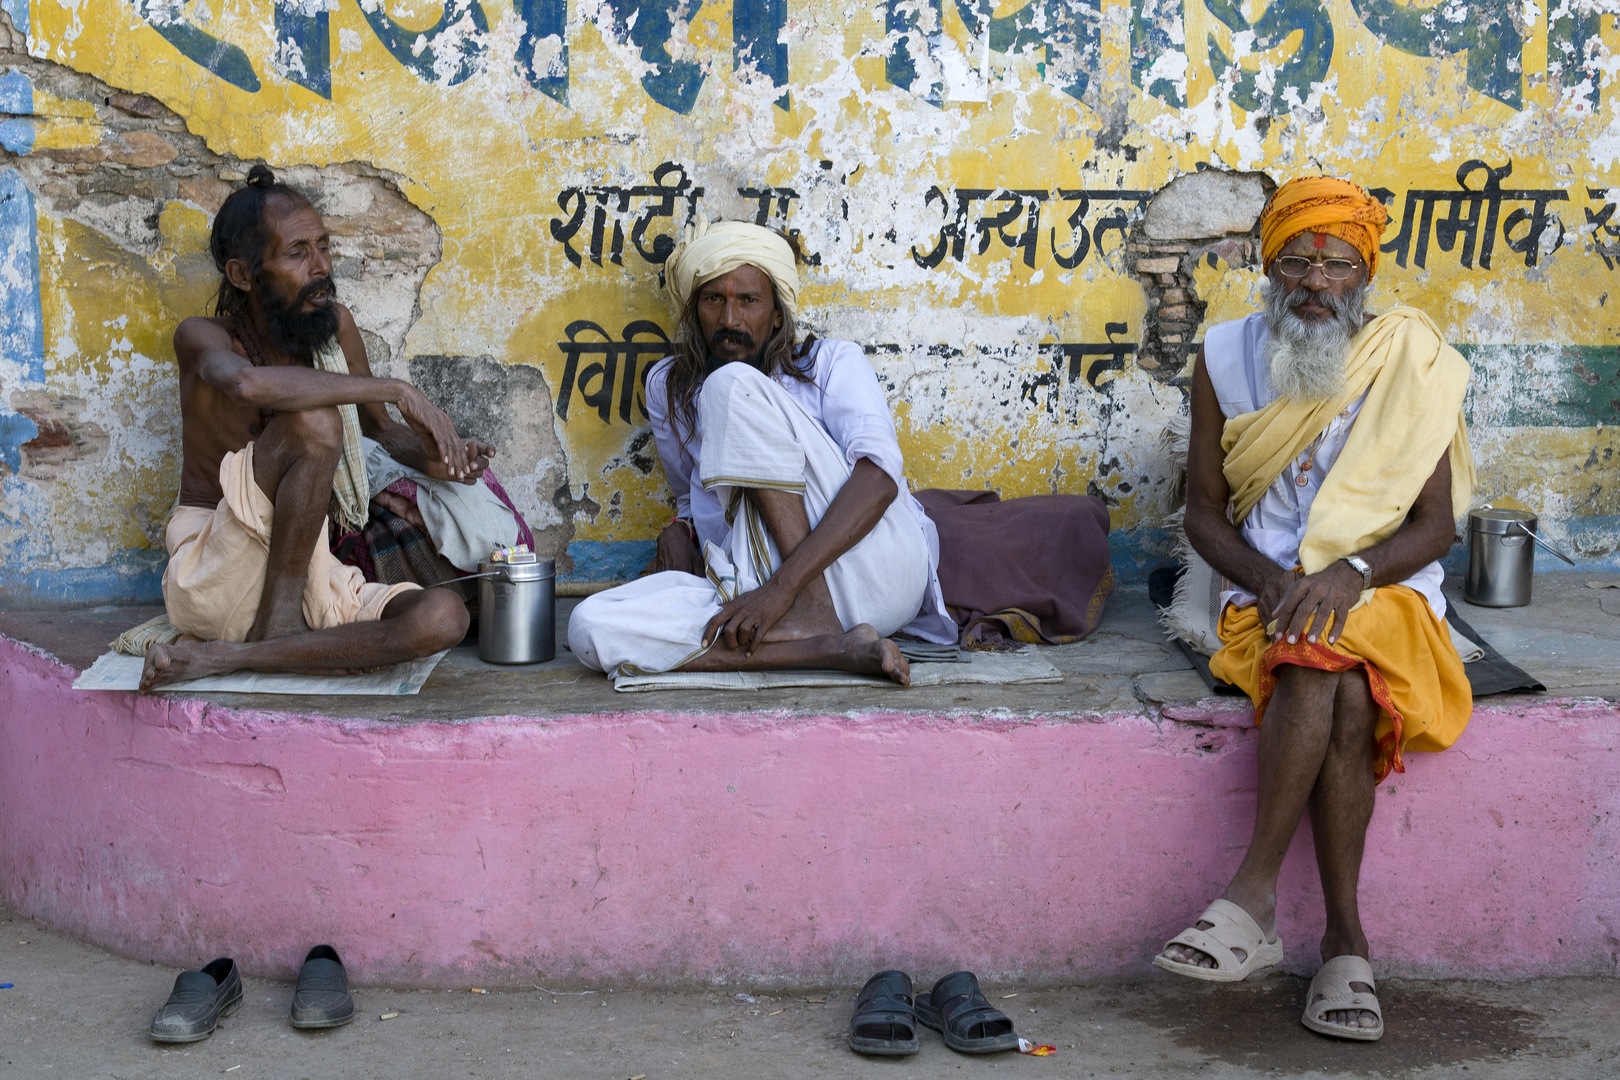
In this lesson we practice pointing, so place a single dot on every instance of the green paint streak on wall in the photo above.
(1543, 385)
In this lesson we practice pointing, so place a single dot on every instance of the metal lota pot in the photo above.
(1501, 557)
(517, 609)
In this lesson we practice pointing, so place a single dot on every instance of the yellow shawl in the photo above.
(1417, 383)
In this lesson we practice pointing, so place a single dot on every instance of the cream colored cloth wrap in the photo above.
(351, 497)
(712, 250)
(1414, 383)
(218, 558)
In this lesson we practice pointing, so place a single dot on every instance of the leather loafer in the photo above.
(322, 998)
(198, 1001)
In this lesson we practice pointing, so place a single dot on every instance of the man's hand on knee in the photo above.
(1315, 599)
(743, 623)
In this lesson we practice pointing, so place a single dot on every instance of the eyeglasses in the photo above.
(1295, 267)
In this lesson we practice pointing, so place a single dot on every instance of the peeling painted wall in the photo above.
(1028, 214)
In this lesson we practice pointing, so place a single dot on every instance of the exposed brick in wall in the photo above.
(1211, 215)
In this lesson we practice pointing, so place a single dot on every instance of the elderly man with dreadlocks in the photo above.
(274, 393)
(796, 542)
(1328, 463)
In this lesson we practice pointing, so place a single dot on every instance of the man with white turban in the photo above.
(1327, 465)
(796, 543)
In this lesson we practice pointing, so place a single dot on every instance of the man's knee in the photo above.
(1355, 711)
(723, 386)
(314, 429)
(727, 377)
(436, 619)
(1305, 695)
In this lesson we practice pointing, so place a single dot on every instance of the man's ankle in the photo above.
(1261, 906)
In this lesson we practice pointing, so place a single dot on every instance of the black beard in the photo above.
(713, 363)
(293, 331)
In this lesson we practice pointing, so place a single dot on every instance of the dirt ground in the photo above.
(77, 1011)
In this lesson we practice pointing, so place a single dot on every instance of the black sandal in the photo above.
(885, 1021)
(958, 1010)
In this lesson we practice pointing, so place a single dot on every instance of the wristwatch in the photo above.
(1359, 565)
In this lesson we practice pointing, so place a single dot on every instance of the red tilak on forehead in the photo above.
(1320, 241)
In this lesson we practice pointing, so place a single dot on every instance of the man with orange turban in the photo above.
(1325, 476)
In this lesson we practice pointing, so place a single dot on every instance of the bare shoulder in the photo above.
(200, 333)
(354, 346)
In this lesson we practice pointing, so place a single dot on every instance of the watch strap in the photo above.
(1361, 566)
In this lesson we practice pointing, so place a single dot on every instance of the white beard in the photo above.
(1306, 359)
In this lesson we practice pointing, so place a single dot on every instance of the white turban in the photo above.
(710, 251)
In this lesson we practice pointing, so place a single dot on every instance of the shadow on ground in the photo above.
(1257, 1025)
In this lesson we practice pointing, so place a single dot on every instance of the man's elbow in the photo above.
(1200, 522)
(1440, 532)
(246, 387)
(887, 491)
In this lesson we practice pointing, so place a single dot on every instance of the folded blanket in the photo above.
(1033, 570)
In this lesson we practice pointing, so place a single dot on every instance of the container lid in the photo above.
(1500, 520)
(539, 570)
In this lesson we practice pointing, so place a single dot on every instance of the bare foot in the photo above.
(875, 655)
(166, 664)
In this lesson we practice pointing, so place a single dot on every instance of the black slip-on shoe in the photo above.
(322, 998)
(197, 1002)
(958, 1010)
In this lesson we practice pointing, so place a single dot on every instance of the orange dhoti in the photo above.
(1412, 667)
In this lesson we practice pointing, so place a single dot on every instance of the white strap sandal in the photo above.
(1230, 928)
(1330, 992)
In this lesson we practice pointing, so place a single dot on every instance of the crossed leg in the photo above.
(810, 634)
(293, 462)
(1316, 752)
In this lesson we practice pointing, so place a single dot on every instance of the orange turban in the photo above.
(1321, 204)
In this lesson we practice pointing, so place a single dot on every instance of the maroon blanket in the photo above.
(1034, 569)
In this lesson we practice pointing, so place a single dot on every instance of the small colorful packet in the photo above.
(1035, 1050)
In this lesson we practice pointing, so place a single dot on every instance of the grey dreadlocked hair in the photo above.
(692, 354)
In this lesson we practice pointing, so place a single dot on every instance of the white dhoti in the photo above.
(754, 435)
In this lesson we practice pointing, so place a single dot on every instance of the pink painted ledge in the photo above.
(671, 848)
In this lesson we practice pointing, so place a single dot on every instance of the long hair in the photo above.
(239, 232)
(692, 356)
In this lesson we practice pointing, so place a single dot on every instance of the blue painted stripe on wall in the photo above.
(17, 99)
(608, 560)
(134, 576)
(22, 326)
(19, 12)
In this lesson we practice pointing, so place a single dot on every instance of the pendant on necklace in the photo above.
(1302, 479)
(1305, 466)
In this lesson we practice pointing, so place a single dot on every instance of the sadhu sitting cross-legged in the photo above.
(787, 471)
(1336, 442)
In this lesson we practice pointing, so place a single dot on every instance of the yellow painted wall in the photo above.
(959, 344)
